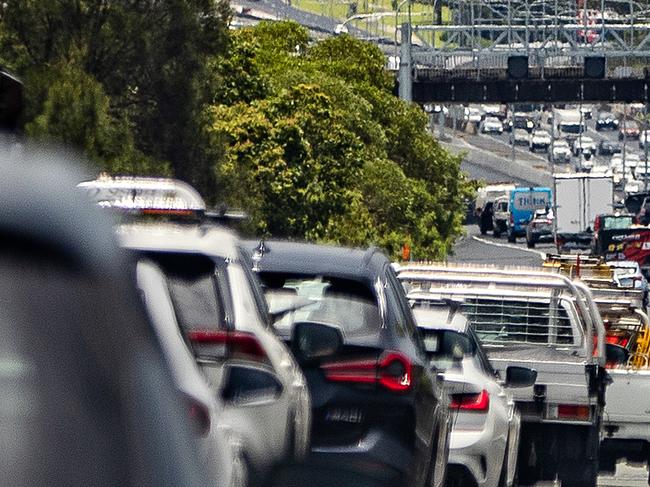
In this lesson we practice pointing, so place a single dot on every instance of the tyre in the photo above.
(578, 464)
(607, 464)
(530, 244)
(497, 231)
(512, 238)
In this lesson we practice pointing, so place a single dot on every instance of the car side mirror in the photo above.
(520, 376)
(246, 386)
(314, 340)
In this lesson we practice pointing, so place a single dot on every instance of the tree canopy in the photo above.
(305, 136)
(321, 148)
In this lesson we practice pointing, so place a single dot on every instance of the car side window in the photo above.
(255, 286)
(481, 355)
(405, 313)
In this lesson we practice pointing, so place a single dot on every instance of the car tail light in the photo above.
(572, 411)
(237, 344)
(597, 224)
(471, 402)
(199, 415)
(393, 371)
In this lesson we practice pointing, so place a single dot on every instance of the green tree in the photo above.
(149, 56)
(76, 112)
(357, 169)
(291, 162)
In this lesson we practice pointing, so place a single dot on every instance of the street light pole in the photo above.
(624, 145)
(645, 150)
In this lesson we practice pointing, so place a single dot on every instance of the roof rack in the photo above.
(514, 279)
(145, 195)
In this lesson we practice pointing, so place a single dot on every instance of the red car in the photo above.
(629, 131)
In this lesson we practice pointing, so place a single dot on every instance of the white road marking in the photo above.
(509, 246)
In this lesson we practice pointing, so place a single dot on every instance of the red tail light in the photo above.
(572, 411)
(199, 415)
(392, 370)
(395, 372)
(471, 402)
(237, 344)
(597, 223)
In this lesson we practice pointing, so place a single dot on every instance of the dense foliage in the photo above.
(306, 137)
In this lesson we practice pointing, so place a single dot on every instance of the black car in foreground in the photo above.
(378, 408)
(608, 148)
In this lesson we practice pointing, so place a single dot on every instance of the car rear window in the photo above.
(193, 286)
(617, 222)
(347, 304)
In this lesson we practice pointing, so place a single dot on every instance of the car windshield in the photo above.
(346, 304)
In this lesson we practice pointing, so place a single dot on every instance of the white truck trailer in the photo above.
(577, 200)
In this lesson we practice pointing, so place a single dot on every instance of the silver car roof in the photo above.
(210, 240)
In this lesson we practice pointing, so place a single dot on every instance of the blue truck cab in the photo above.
(522, 206)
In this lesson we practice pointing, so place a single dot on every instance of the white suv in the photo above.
(206, 285)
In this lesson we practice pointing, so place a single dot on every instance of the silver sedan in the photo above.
(485, 437)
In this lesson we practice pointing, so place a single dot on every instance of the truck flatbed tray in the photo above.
(532, 354)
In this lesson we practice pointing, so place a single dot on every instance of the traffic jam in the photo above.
(292, 363)
(566, 138)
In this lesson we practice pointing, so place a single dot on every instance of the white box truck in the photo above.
(577, 199)
(569, 123)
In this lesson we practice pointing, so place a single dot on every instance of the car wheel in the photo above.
(607, 464)
(530, 244)
(497, 232)
(512, 238)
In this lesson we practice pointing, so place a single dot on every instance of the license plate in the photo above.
(344, 415)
